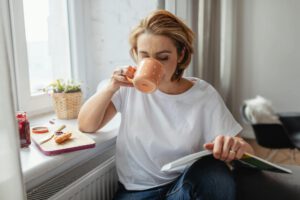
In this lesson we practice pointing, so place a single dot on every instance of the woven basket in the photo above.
(67, 105)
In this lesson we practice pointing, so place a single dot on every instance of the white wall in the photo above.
(268, 53)
(108, 24)
(268, 47)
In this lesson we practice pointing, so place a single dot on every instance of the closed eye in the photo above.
(163, 58)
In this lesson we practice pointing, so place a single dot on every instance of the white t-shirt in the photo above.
(158, 128)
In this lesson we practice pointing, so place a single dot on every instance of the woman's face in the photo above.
(161, 48)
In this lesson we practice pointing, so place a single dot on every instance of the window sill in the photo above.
(37, 167)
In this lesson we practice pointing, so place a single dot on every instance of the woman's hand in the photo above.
(228, 148)
(120, 77)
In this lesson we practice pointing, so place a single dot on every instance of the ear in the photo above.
(181, 56)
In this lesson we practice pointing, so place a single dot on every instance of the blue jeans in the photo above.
(206, 179)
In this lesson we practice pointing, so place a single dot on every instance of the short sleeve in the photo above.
(220, 120)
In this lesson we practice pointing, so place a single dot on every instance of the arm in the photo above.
(98, 110)
(228, 148)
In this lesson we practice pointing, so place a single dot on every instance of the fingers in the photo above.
(218, 146)
(222, 147)
(241, 150)
(209, 146)
(126, 71)
(227, 152)
(233, 150)
(119, 76)
(227, 148)
(231, 156)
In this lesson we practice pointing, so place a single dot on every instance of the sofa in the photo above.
(262, 185)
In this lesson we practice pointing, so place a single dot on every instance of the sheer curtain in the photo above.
(11, 186)
(215, 51)
(213, 22)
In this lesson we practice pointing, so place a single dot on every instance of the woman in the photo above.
(183, 116)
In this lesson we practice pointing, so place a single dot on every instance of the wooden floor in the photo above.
(283, 156)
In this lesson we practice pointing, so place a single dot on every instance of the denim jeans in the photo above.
(206, 179)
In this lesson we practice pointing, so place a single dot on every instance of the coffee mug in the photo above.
(148, 75)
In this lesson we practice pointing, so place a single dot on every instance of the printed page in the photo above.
(184, 161)
(247, 159)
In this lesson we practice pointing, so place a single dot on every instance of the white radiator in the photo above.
(99, 183)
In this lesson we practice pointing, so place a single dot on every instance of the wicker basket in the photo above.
(67, 105)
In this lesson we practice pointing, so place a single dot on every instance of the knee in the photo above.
(212, 179)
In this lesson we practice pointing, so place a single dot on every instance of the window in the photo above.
(47, 41)
(42, 50)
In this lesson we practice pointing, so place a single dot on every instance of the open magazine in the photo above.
(247, 159)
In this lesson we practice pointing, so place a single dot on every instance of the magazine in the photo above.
(247, 159)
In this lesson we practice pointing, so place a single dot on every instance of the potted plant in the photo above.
(66, 98)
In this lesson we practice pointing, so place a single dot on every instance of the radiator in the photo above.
(100, 184)
(81, 183)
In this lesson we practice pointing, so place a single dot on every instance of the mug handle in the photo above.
(132, 70)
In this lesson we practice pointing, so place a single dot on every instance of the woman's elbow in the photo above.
(87, 128)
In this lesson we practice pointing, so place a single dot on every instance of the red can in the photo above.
(24, 129)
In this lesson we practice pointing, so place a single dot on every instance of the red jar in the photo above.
(24, 129)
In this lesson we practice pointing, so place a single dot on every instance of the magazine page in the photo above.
(247, 159)
(259, 163)
(185, 161)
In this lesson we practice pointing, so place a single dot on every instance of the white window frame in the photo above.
(41, 103)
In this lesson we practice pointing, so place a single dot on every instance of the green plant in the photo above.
(60, 86)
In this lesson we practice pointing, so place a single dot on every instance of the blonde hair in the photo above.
(162, 22)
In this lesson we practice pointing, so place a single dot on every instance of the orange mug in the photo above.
(148, 75)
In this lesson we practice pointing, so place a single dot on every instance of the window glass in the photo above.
(47, 39)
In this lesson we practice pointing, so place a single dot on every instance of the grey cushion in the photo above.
(255, 185)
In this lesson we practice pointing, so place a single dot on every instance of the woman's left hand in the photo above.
(228, 148)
